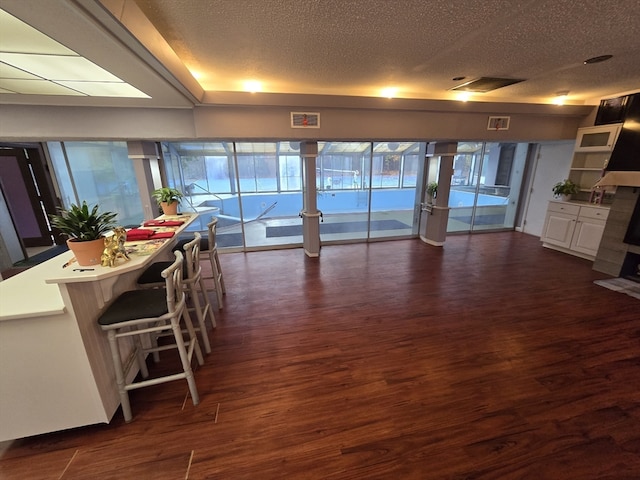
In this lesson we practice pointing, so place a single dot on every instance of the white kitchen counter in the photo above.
(56, 369)
(28, 295)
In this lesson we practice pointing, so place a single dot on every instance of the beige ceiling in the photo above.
(358, 47)
(189, 51)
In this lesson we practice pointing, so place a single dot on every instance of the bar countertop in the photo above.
(36, 291)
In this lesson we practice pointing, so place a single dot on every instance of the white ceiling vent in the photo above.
(498, 123)
(305, 120)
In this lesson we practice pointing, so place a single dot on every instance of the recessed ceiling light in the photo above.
(389, 92)
(601, 58)
(457, 79)
(252, 86)
(560, 97)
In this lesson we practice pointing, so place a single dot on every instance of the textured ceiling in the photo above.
(358, 47)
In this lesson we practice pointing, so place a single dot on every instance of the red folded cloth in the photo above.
(138, 234)
(162, 235)
(163, 223)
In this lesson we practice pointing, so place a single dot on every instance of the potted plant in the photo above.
(85, 228)
(432, 191)
(565, 189)
(168, 199)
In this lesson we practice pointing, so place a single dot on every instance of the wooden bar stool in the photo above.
(142, 316)
(193, 284)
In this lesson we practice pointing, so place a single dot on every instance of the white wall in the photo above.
(552, 166)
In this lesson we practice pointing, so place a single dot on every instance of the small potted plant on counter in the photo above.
(85, 228)
(168, 199)
(565, 189)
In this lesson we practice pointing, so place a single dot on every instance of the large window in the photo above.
(98, 173)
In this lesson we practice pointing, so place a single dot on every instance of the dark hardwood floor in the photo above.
(489, 358)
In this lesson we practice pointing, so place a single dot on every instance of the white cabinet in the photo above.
(574, 228)
(560, 224)
(592, 151)
(589, 230)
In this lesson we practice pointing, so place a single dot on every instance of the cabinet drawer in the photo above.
(564, 207)
(594, 212)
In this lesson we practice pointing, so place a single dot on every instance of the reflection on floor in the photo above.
(287, 231)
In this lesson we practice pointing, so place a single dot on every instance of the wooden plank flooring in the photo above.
(490, 358)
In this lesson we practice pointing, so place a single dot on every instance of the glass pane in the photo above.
(209, 186)
(485, 186)
(63, 175)
(343, 173)
(259, 208)
(102, 174)
(393, 208)
(493, 191)
(271, 211)
(463, 186)
(290, 172)
(411, 167)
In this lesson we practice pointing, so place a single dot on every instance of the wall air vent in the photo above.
(305, 120)
(486, 84)
(498, 123)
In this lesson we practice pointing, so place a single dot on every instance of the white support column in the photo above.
(435, 217)
(310, 213)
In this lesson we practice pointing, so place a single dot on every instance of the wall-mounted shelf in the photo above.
(592, 151)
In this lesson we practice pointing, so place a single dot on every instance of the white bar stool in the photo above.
(193, 283)
(143, 315)
(216, 269)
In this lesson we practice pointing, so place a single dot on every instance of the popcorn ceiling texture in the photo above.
(357, 47)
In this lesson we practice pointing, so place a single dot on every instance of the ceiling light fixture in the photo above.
(252, 86)
(560, 97)
(599, 59)
(464, 96)
(389, 92)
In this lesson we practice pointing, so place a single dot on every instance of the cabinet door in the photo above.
(558, 229)
(597, 139)
(587, 236)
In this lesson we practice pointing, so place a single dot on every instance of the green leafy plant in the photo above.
(566, 187)
(432, 189)
(167, 194)
(83, 223)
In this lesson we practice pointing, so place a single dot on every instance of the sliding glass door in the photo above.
(396, 188)
(206, 174)
(369, 190)
(270, 187)
(342, 183)
(254, 189)
(485, 186)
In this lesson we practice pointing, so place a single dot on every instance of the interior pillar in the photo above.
(310, 213)
(435, 216)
